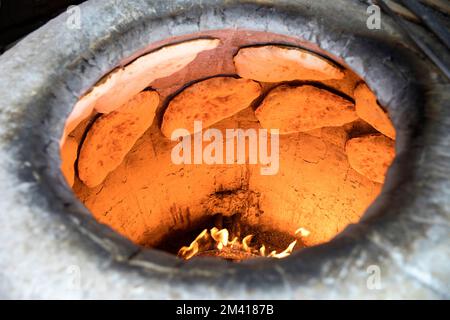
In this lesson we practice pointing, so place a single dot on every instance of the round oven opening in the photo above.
(235, 144)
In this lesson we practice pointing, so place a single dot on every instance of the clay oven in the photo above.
(344, 167)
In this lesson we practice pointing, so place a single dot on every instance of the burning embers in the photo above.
(314, 124)
(217, 242)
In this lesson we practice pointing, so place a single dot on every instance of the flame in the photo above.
(303, 232)
(262, 251)
(192, 250)
(285, 253)
(245, 243)
(219, 239)
(234, 241)
(220, 236)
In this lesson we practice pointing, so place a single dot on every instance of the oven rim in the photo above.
(410, 89)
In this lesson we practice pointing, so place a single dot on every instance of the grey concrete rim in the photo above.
(405, 232)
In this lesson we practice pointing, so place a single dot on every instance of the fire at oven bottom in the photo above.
(232, 239)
